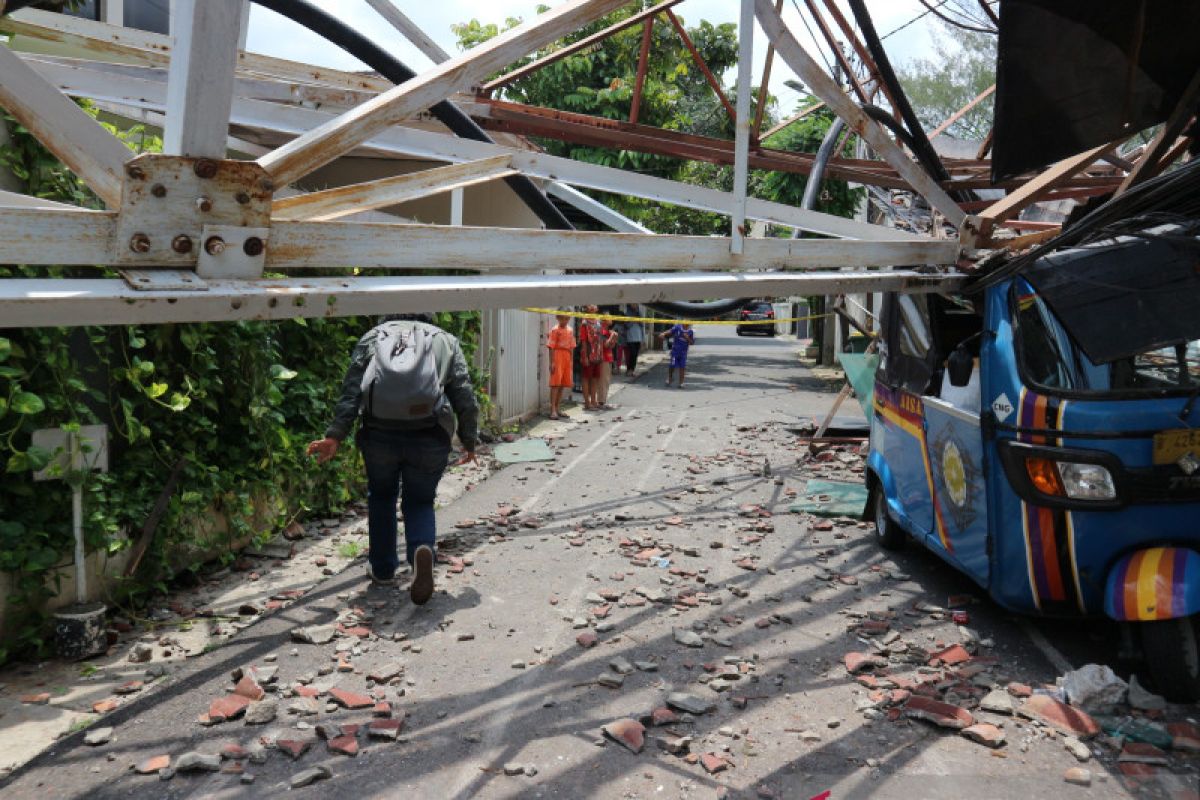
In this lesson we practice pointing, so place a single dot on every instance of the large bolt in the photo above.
(242, 198)
(135, 172)
(205, 168)
(253, 247)
(158, 190)
(182, 244)
(139, 243)
(214, 245)
(204, 204)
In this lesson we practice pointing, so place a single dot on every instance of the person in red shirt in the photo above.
(561, 342)
(591, 357)
(609, 338)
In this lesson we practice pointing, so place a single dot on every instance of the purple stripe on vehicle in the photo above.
(1118, 588)
(1178, 583)
(1033, 524)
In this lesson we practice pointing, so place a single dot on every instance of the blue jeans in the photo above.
(404, 466)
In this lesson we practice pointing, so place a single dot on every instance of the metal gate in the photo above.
(514, 341)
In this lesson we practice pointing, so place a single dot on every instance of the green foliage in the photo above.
(964, 65)
(237, 402)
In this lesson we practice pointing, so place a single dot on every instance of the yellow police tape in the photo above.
(618, 318)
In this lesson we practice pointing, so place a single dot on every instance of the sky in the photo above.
(274, 35)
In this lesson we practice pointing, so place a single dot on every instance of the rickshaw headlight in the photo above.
(1087, 481)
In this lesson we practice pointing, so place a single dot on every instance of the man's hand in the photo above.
(468, 457)
(324, 449)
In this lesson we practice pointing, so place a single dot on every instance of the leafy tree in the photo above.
(963, 66)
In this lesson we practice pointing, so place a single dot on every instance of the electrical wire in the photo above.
(918, 17)
(949, 21)
(816, 41)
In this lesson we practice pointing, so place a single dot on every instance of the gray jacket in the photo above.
(451, 367)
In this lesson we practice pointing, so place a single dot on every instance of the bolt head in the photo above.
(182, 244)
(158, 190)
(214, 245)
(242, 198)
(204, 204)
(135, 172)
(139, 243)
(253, 247)
(205, 168)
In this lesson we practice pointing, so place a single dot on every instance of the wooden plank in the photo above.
(696, 57)
(794, 118)
(88, 150)
(1149, 164)
(343, 201)
(1013, 203)
(957, 115)
(575, 47)
(824, 87)
(410, 30)
(341, 135)
(33, 235)
(200, 80)
(741, 139)
(37, 303)
(320, 245)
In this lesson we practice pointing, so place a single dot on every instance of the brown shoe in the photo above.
(422, 582)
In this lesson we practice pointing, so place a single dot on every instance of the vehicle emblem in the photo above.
(1002, 407)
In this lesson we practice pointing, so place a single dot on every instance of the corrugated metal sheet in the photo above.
(516, 339)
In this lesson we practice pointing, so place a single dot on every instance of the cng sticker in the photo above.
(1002, 407)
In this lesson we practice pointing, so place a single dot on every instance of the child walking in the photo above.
(682, 337)
(561, 342)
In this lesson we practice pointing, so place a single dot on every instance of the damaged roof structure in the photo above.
(195, 234)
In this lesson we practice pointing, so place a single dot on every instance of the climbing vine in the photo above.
(233, 404)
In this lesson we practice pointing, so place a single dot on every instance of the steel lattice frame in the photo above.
(193, 231)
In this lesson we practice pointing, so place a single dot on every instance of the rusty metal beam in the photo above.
(575, 47)
(957, 115)
(708, 76)
(837, 51)
(763, 94)
(643, 59)
(864, 55)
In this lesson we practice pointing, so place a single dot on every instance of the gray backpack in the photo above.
(401, 382)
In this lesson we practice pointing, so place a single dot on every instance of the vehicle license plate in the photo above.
(1170, 446)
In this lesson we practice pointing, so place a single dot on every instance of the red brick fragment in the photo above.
(382, 709)
(1059, 716)
(586, 639)
(234, 752)
(248, 688)
(629, 732)
(954, 654)
(152, 765)
(945, 715)
(129, 688)
(713, 763)
(231, 706)
(858, 662)
(1142, 753)
(663, 716)
(347, 699)
(307, 691)
(104, 706)
(985, 733)
(1020, 689)
(39, 699)
(346, 745)
(1184, 736)
(294, 747)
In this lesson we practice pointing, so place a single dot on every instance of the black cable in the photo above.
(335, 31)
(956, 23)
(917, 18)
(922, 149)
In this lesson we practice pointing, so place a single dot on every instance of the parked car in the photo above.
(758, 310)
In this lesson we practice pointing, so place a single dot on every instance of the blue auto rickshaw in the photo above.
(1042, 435)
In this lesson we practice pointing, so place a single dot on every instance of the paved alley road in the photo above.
(658, 534)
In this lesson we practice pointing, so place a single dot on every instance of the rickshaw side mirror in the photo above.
(959, 366)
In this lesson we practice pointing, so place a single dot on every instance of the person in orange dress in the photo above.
(561, 342)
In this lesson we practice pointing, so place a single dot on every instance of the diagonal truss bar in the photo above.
(832, 41)
(708, 76)
(36, 303)
(957, 115)
(88, 150)
(341, 135)
(575, 47)
(794, 118)
(200, 80)
(288, 120)
(635, 104)
(763, 95)
(410, 30)
(343, 201)
(823, 86)
(595, 209)
(863, 54)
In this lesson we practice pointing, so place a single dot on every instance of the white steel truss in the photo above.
(193, 231)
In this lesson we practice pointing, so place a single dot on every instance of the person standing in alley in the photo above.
(608, 337)
(407, 384)
(591, 357)
(561, 342)
(635, 334)
(682, 337)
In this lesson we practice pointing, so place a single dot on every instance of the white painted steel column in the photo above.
(200, 79)
(741, 142)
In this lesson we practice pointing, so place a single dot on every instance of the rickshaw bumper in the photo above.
(1156, 583)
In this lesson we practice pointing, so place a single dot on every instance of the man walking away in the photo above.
(407, 382)
(682, 337)
(635, 334)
